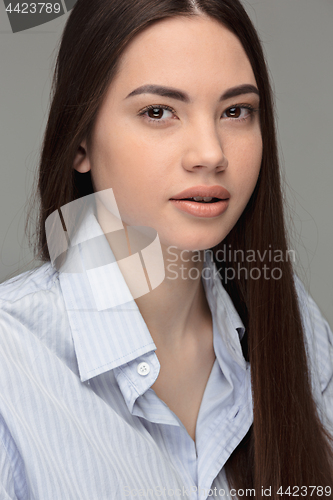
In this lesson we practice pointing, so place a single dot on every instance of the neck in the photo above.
(177, 309)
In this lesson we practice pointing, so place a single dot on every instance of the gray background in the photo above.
(298, 41)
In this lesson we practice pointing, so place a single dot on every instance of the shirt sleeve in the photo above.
(319, 343)
(13, 484)
(327, 391)
(328, 401)
(7, 489)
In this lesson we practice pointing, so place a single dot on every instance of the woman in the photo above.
(194, 389)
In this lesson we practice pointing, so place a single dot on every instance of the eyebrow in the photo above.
(173, 93)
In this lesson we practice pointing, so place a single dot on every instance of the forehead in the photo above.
(181, 51)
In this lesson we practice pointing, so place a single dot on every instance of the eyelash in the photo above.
(250, 108)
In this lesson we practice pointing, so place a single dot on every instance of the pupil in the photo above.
(156, 112)
(235, 112)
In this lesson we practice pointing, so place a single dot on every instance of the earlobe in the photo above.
(81, 161)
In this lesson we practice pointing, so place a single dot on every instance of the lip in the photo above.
(201, 209)
(213, 191)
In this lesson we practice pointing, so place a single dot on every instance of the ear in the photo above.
(81, 161)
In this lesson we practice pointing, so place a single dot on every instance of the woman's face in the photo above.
(150, 146)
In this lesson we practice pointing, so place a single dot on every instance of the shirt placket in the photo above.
(135, 380)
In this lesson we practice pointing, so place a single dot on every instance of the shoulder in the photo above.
(34, 324)
(319, 336)
(35, 280)
(319, 345)
(22, 296)
(29, 289)
(31, 305)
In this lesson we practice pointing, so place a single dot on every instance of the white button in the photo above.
(143, 368)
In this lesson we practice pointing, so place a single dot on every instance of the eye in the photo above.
(240, 112)
(157, 113)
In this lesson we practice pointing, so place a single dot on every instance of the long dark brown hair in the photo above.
(287, 444)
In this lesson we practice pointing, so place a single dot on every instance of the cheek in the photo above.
(128, 169)
(132, 166)
(244, 168)
(116, 161)
(247, 160)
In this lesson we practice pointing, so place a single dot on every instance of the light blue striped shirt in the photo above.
(78, 421)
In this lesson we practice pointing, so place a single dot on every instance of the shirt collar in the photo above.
(108, 329)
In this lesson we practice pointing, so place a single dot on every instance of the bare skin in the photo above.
(186, 364)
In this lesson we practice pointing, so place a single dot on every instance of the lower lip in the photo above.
(202, 209)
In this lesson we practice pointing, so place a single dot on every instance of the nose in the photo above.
(203, 149)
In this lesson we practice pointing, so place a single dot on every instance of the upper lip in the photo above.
(208, 191)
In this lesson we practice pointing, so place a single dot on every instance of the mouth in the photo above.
(203, 194)
(202, 201)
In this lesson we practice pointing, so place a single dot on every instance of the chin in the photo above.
(192, 243)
